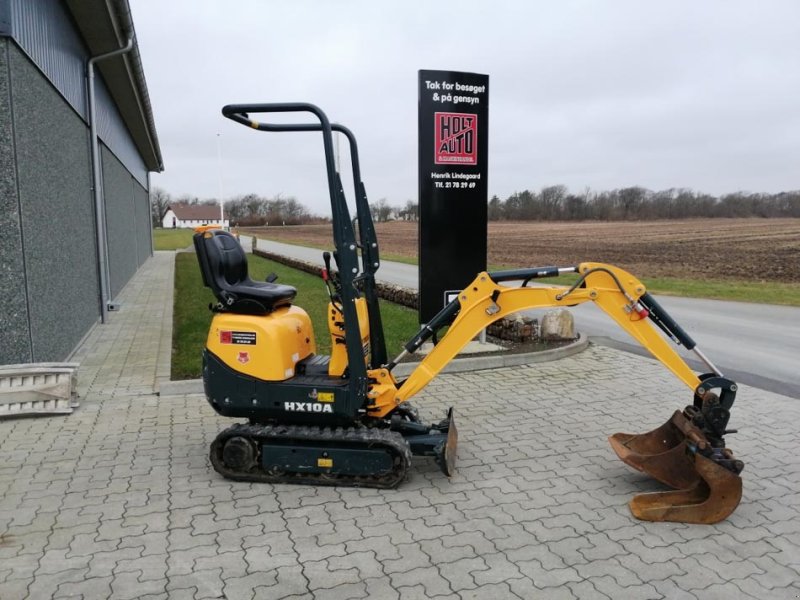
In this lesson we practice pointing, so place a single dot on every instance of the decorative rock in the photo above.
(558, 325)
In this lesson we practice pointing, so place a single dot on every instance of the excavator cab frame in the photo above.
(378, 431)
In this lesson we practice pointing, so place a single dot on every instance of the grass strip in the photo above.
(191, 317)
(172, 239)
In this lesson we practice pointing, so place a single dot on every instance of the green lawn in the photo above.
(172, 239)
(192, 318)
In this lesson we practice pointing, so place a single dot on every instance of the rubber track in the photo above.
(392, 441)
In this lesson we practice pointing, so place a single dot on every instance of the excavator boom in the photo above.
(688, 452)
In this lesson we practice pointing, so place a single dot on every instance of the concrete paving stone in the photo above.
(774, 575)
(45, 585)
(381, 546)
(268, 522)
(570, 549)
(403, 511)
(54, 561)
(524, 588)
(668, 589)
(697, 577)
(202, 524)
(19, 567)
(500, 569)
(439, 553)
(321, 575)
(428, 578)
(491, 524)
(309, 549)
(203, 584)
(152, 522)
(411, 557)
(102, 563)
(128, 586)
(381, 587)
(610, 587)
(420, 531)
(240, 538)
(15, 588)
(496, 591)
(369, 567)
(181, 562)
(549, 534)
(547, 577)
(260, 558)
(97, 588)
(301, 528)
(343, 531)
(289, 583)
(184, 539)
(418, 592)
(151, 567)
(586, 589)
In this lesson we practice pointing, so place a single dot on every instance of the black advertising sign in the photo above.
(453, 143)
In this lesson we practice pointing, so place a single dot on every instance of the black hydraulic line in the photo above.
(667, 324)
(525, 274)
(444, 317)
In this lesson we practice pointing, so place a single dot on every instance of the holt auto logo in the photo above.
(244, 357)
(456, 138)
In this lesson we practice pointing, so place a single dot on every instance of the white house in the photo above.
(192, 215)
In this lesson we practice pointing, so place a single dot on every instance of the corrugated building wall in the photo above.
(50, 276)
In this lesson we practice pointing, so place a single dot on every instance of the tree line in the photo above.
(556, 203)
(551, 203)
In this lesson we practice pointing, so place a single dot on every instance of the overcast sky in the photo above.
(601, 94)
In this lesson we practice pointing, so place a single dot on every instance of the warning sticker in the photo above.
(456, 138)
(246, 338)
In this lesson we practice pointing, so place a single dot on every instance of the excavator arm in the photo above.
(688, 452)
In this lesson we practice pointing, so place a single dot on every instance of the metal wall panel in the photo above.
(45, 32)
(121, 225)
(14, 320)
(56, 212)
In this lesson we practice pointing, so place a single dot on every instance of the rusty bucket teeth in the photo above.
(705, 492)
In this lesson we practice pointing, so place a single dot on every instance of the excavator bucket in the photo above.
(706, 491)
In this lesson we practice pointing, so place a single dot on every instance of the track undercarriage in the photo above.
(376, 456)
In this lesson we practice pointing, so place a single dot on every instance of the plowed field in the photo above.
(741, 249)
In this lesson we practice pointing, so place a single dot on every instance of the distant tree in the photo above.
(495, 209)
(551, 199)
(159, 201)
(410, 212)
(381, 210)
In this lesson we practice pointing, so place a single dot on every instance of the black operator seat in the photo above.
(224, 267)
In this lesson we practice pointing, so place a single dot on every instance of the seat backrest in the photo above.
(223, 263)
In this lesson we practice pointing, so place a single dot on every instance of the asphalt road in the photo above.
(755, 344)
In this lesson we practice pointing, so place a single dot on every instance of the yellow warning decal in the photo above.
(325, 397)
(326, 463)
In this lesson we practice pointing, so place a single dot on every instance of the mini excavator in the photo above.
(345, 419)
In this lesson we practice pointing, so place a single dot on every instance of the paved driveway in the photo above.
(119, 500)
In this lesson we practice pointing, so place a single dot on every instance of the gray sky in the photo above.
(583, 93)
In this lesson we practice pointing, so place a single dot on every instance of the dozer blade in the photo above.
(706, 492)
(446, 453)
